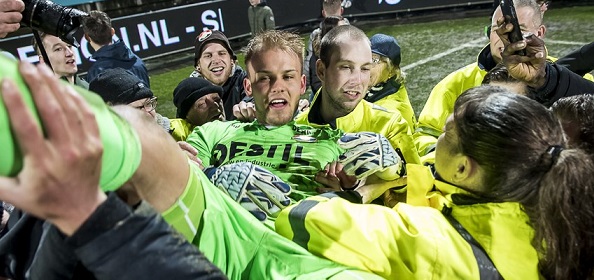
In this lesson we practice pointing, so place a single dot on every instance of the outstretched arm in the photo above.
(59, 182)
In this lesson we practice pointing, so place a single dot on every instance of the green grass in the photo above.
(423, 40)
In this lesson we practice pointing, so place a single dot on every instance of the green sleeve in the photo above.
(121, 146)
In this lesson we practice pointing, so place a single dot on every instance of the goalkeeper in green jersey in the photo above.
(303, 156)
(64, 156)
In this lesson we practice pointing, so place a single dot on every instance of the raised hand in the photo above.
(530, 68)
(244, 111)
(59, 180)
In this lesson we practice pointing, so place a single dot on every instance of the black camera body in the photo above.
(54, 19)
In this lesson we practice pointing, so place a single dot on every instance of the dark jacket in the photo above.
(115, 243)
(117, 55)
(233, 91)
(580, 61)
(562, 83)
(261, 18)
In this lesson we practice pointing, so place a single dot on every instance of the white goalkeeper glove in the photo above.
(370, 153)
(258, 190)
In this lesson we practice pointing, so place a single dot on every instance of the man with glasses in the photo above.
(120, 87)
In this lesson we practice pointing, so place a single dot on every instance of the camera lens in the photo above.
(51, 18)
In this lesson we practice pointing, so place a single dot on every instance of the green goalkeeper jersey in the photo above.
(293, 152)
(122, 151)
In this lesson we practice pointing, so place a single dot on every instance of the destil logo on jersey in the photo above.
(223, 153)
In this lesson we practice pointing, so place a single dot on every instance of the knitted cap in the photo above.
(190, 90)
(118, 86)
(209, 36)
(387, 46)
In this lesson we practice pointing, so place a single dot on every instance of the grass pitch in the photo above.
(431, 50)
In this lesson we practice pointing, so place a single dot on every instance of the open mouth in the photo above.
(352, 94)
(217, 70)
(71, 62)
(278, 103)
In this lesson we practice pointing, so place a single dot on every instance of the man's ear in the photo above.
(303, 84)
(541, 31)
(247, 86)
(112, 32)
(320, 69)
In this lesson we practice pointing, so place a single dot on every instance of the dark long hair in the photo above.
(520, 146)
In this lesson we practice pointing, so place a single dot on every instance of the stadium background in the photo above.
(437, 37)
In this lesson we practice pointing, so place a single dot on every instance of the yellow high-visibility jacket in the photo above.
(373, 118)
(414, 241)
(180, 129)
(440, 103)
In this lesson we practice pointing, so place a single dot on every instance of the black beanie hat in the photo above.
(190, 90)
(118, 86)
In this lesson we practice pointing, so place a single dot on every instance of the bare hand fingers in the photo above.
(27, 131)
(185, 146)
(73, 107)
(346, 181)
(328, 182)
(48, 107)
(9, 190)
(12, 6)
(89, 133)
(8, 28)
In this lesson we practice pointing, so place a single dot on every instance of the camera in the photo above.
(54, 19)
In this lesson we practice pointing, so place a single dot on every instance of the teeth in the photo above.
(277, 102)
(217, 69)
(353, 93)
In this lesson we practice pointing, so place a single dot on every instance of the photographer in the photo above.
(62, 58)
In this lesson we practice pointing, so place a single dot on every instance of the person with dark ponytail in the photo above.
(506, 198)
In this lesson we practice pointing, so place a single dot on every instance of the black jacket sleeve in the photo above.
(580, 61)
(116, 243)
(560, 82)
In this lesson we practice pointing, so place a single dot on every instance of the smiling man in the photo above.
(293, 152)
(344, 67)
(214, 60)
(61, 57)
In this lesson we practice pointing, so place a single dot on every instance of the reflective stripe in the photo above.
(297, 221)
(487, 269)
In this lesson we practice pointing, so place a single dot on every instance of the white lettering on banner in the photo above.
(390, 2)
(124, 34)
(222, 23)
(166, 39)
(77, 56)
(209, 20)
(143, 32)
(84, 46)
(24, 54)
